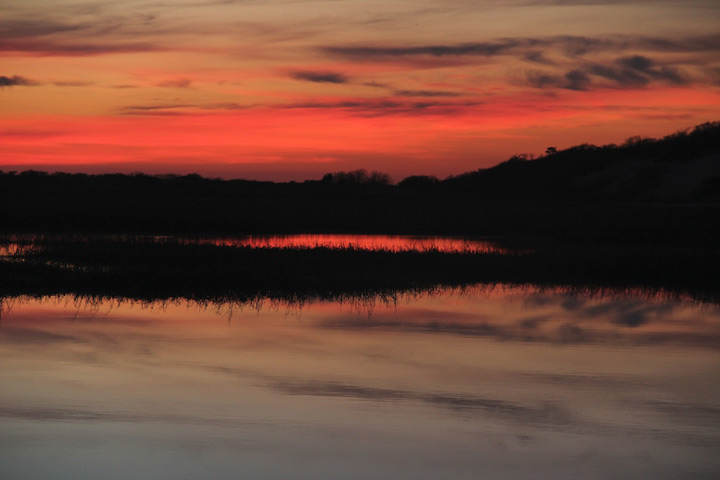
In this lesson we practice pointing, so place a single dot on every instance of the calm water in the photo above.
(485, 383)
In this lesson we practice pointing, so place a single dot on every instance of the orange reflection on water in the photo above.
(489, 379)
(390, 243)
(13, 249)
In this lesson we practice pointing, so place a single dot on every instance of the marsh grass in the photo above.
(145, 268)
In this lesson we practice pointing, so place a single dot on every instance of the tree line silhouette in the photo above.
(629, 189)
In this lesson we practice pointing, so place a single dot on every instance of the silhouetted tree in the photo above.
(419, 182)
(357, 177)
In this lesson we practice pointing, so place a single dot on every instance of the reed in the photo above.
(143, 268)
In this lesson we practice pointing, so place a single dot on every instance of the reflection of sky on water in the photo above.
(19, 244)
(391, 243)
(501, 383)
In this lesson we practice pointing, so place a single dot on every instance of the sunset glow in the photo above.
(290, 90)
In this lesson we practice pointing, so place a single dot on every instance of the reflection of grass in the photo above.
(150, 270)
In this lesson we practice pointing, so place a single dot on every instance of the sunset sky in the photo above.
(293, 89)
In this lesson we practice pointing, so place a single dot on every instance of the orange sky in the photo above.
(293, 89)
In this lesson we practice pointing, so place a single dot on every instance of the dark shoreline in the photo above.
(645, 190)
(148, 270)
(645, 214)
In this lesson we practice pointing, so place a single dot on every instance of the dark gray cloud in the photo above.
(376, 85)
(400, 92)
(51, 48)
(573, 80)
(576, 80)
(426, 93)
(539, 79)
(636, 62)
(319, 77)
(482, 48)
(150, 108)
(15, 81)
(638, 71)
(382, 107)
(649, 68)
(26, 28)
(360, 107)
(72, 84)
(178, 108)
(528, 47)
(537, 56)
(624, 77)
(633, 71)
(45, 35)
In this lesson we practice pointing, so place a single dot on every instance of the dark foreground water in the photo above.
(481, 383)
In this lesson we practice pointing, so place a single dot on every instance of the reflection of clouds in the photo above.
(19, 335)
(630, 313)
(701, 415)
(43, 413)
(548, 413)
(291, 376)
(420, 313)
(553, 319)
(480, 329)
(534, 321)
(561, 414)
(586, 381)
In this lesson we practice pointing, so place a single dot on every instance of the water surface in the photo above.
(484, 382)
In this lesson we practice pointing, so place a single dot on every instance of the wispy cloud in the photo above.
(529, 47)
(386, 106)
(177, 83)
(379, 52)
(537, 56)
(50, 48)
(572, 80)
(635, 71)
(15, 81)
(37, 33)
(425, 93)
(163, 109)
(319, 77)
(638, 65)
(451, 401)
(72, 84)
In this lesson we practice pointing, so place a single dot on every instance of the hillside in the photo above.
(684, 166)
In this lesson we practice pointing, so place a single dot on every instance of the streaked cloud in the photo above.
(568, 45)
(319, 77)
(177, 83)
(49, 48)
(178, 108)
(14, 81)
(387, 106)
(572, 80)
(635, 71)
(426, 93)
